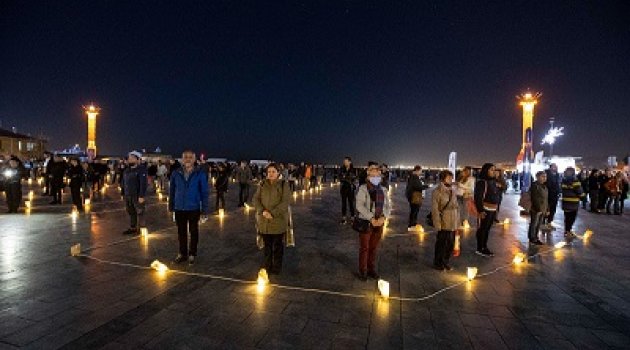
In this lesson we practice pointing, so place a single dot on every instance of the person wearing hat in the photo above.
(134, 189)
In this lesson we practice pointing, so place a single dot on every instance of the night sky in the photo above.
(399, 82)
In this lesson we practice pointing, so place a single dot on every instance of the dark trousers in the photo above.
(484, 230)
(47, 184)
(603, 198)
(594, 198)
(443, 247)
(584, 198)
(187, 221)
(534, 225)
(219, 200)
(243, 194)
(368, 246)
(613, 200)
(347, 200)
(273, 252)
(414, 209)
(13, 192)
(56, 190)
(75, 191)
(569, 220)
(135, 210)
(553, 206)
(292, 185)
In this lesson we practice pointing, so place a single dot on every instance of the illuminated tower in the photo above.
(92, 112)
(528, 100)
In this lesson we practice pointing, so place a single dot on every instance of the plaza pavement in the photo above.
(576, 297)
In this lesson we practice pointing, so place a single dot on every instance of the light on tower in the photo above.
(527, 100)
(91, 111)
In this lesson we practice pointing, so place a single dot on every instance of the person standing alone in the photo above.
(75, 174)
(486, 202)
(415, 186)
(244, 177)
(134, 189)
(272, 213)
(188, 199)
(347, 176)
(445, 215)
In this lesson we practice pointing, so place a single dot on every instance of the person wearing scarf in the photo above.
(372, 205)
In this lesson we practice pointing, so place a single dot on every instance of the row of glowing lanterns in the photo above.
(263, 278)
(383, 286)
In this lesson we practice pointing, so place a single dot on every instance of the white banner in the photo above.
(452, 163)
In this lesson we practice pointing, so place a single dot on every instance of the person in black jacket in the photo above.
(553, 187)
(413, 192)
(88, 180)
(571, 197)
(134, 189)
(486, 202)
(603, 192)
(57, 172)
(75, 174)
(48, 162)
(221, 185)
(347, 175)
(583, 178)
(593, 190)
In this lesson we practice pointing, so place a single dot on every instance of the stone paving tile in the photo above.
(615, 339)
(576, 297)
(476, 321)
(485, 338)
(582, 338)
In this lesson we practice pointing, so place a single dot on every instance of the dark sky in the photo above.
(400, 82)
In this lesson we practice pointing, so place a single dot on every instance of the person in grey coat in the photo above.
(540, 207)
(244, 176)
(445, 215)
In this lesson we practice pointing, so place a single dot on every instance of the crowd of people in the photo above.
(458, 201)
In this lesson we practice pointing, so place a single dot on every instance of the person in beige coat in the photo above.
(272, 213)
(445, 215)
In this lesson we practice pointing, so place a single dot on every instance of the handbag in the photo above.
(471, 207)
(362, 225)
(416, 197)
(525, 201)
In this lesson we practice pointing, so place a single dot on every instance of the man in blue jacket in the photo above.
(134, 189)
(188, 198)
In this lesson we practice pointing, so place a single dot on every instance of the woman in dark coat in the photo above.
(486, 202)
(76, 176)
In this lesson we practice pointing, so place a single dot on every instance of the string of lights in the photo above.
(383, 286)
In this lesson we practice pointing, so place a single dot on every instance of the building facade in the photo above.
(23, 146)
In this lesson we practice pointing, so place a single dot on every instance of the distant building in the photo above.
(23, 146)
(155, 156)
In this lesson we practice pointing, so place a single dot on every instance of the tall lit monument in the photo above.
(528, 100)
(92, 112)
